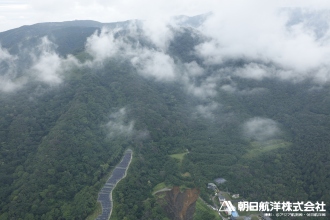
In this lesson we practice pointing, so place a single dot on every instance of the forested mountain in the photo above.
(75, 95)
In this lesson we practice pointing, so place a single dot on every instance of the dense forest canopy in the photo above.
(74, 96)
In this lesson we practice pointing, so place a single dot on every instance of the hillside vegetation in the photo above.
(62, 132)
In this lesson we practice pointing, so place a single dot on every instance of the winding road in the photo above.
(105, 195)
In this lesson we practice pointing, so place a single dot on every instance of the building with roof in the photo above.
(235, 196)
(211, 186)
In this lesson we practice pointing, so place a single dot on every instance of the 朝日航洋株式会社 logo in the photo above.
(277, 208)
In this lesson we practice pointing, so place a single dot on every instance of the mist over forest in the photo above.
(248, 100)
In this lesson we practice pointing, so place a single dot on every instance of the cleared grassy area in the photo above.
(204, 212)
(178, 156)
(257, 148)
(186, 174)
(226, 195)
(159, 186)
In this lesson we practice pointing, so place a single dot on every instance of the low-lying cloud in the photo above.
(104, 45)
(261, 129)
(289, 44)
(207, 110)
(46, 66)
(151, 60)
(155, 64)
(117, 126)
(120, 126)
(8, 71)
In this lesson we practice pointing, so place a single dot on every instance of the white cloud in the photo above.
(48, 67)
(264, 34)
(207, 110)
(120, 126)
(117, 125)
(270, 42)
(253, 71)
(206, 89)
(193, 69)
(8, 85)
(154, 64)
(232, 88)
(261, 129)
(195, 81)
(18, 13)
(148, 62)
(160, 32)
(35, 11)
(8, 72)
(103, 45)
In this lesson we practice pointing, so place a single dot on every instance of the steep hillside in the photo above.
(181, 205)
(74, 96)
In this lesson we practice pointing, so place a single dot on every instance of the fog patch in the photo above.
(8, 72)
(155, 64)
(253, 71)
(151, 60)
(8, 85)
(207, 110)
(196, 83)
(104, 45)
(287, 44)
(160, 32)
(193, 69)
(203, 90)
(261, 129)
(120, 126)
(46, 66)
(232, 88)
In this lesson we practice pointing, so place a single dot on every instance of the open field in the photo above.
(258, 148)
(178, 156)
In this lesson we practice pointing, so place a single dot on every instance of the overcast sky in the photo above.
(15, 13)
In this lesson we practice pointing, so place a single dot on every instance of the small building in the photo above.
(220, 181)
(211, 186)
(235, 196)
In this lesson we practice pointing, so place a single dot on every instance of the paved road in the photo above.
(105, 195)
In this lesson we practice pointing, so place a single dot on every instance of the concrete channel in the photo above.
(105, 195)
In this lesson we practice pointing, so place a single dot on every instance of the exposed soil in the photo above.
(180, 205)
